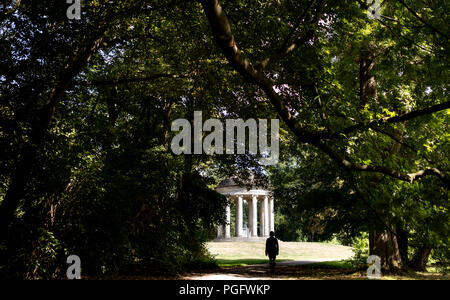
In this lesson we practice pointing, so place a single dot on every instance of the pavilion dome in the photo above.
(229, 182)
(252, 181)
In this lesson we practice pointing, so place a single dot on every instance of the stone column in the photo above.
(239, 216)
(271, 215)
(266, 216)
(254, 216)
(261, 218)
(250, 217)
(227, 225)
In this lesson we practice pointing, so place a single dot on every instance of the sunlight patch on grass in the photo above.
(243, 262)
(245, 253)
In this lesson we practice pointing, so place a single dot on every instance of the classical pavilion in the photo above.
(256, 197)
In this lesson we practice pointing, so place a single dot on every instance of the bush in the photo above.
(205, 263)
(442, 257)
(360, 247)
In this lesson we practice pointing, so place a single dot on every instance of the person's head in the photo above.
(272, 233)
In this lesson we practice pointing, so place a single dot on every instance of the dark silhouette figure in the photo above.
(272, 250)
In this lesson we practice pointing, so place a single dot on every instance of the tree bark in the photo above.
(402, 239)
(384, 244)
(367, 81)
(420, 260)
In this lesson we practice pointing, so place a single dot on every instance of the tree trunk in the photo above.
(402, 239)
(367, 81)
(420, 260)
(384, 244)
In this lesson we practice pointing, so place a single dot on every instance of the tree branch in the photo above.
(406, 145)
(411, 177)
(396, 119)
(287, 48)
(422, 20)
(365, 6)
(297, 25)
(27, 161)
(223, 36)
(126, 80)
(285, 51)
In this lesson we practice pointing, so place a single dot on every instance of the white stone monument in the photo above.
(255, 197)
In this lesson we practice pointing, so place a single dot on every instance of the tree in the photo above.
(86, 109)
(315, 31)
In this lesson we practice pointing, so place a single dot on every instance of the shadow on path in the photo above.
(283, 270)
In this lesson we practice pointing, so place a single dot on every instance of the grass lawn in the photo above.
(241, 262)
(247, 253)
(245, 259)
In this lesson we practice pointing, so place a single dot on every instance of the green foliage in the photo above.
(86, 108)
(360, 245)
(441, 255)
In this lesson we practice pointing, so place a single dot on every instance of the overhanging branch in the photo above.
(411, 177)
(397, 119)
(288, 47)
(422, 20)
(107, 82)
(223, 36)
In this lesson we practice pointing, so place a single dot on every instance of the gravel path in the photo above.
(255, 272)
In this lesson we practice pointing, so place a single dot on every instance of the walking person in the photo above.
(272, 250)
